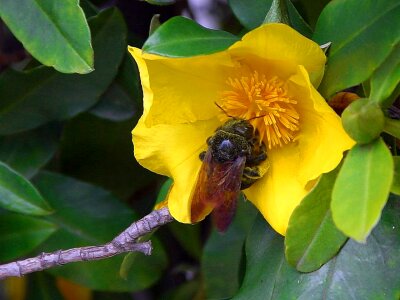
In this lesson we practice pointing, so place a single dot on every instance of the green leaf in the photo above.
(360, 39)
(103, 154)
(223, 253)
(32, 98)
(360, 271)
(396, 178)
(19, 195)
(115, 104)
(88, 215)
(121, 100)
(27, 152)
(251, 14)
(21, 234)
(180, 37)
(312, 238)
(56, 35)
(362, 188)
(386, 77)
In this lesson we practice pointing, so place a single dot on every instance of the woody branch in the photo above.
(126, 241)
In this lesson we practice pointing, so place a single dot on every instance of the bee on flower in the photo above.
(267, 81)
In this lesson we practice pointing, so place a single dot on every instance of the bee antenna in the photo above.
(256, 117)
(220, 107)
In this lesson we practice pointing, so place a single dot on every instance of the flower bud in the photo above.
(363, 121)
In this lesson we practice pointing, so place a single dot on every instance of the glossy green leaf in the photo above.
(386, 77)
(19, 195)
(396, 177)
(121, 100)
(42, 286)
(88, 215)
(361, 39)
(362, 188)
(312, 238)
(27, 152)
(56, 35)
(20, 234)
(35, 97)
(115, 104)
(360, 271)
(179, 37)
(252, 14)
(110, 152)
(223, 254)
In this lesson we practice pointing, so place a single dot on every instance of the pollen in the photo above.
(265, 103)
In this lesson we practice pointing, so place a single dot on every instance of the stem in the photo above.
(126, 241)
(392, 127)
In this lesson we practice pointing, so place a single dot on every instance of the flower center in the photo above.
(264, 102)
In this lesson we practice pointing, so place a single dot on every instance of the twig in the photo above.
(126, 241)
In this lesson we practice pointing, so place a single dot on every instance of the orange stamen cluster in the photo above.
(264, 102)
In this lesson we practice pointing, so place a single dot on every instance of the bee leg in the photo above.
(249, 176)
(202, 155)
(259, 157)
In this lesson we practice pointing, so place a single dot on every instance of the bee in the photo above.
(230, 164)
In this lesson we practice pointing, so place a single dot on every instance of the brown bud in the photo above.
(341, 100)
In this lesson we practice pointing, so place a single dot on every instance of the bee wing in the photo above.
(217, 187)
(229, 189)
(200, 207)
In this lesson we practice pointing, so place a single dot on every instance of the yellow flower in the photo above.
(269, 73)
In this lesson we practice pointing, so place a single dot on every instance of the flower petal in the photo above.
(280, 45)
(278, 192)
(181, 90)
(322, 139)
(294, 168)
(173, 150)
